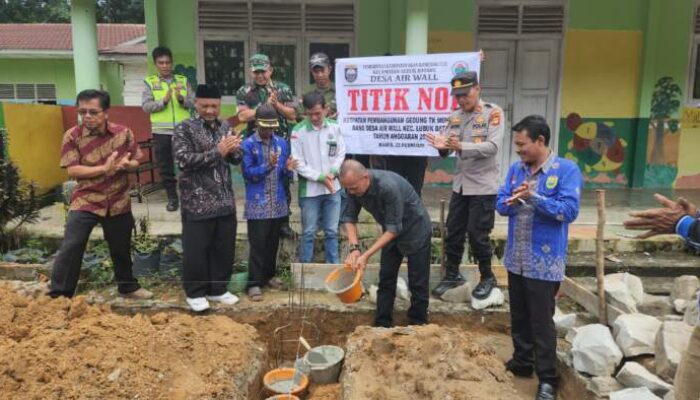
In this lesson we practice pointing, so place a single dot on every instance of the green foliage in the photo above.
(284, 272)
(143, 242)
(97, 268)
(665, 100)
(58, 11)
(18, 202)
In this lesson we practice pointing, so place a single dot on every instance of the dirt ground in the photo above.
(324, 392)
(427, 362)
(68, 349)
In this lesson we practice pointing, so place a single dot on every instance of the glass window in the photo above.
(696, 74)
(224, 65)
(332, 50)
(283, 60)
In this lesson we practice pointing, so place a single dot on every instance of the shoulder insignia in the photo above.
(552, 181)
(495, 118)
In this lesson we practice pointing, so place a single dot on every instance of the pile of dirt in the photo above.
(324, 392)
(68, 349)
(424, 362)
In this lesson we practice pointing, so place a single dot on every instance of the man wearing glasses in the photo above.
(98, 154)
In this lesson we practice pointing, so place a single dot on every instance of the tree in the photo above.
(58, 11)
(18, 202)
(664, 103)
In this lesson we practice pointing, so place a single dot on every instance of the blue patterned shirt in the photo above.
(264, 184)
(538, 228)
(688, 228)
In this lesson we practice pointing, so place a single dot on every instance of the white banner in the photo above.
(386, 105)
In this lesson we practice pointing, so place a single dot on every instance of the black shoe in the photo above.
(447, 283)
(172, 205)
(287, 232)
(483, 288)
(519, 370)
(546, 392)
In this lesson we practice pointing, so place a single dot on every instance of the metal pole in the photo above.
(442, 237)
(600, 258)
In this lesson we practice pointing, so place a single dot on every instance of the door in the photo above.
(521, 76)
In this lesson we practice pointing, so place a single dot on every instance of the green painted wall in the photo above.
(608, 14)
(372, 27)
(58, 72)
(452, 15)
(176, 24)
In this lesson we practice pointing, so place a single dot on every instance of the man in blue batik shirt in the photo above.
(541, 198)
(682, 218)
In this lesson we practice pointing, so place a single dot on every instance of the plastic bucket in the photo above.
(328, 371)
(281, 381)
(345, 283)
(283, 397)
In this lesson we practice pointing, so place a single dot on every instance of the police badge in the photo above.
(350, 73)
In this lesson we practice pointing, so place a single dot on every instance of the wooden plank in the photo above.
(588, 299)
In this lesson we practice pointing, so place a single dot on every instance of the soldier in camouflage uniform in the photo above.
(261, 90)
(320, 67)
(475, 133)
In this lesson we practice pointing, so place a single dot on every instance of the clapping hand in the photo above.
(292, 164)
(521, 193)
(439, 141)
(123, 163)
(110, 165)
(329, 182)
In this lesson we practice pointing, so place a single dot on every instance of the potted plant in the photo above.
(171, 260)
(145, 250)
(239, 278)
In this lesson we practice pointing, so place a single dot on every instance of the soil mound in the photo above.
(68, 349)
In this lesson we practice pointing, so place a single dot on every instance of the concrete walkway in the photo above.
(619, 203)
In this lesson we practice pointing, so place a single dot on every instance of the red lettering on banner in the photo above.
(387, 99)
(375, 94)
(425, 98)
(364, 99)
(353, 99)
(442, 98)
(400, 103)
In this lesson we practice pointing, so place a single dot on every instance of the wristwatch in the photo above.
(354, 247)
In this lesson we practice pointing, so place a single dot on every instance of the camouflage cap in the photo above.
(319, 60)
(259, 62)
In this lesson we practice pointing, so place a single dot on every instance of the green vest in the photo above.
(174, 112)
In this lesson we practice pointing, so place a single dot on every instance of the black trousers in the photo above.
(66, 267)
(418, 276)
(163, 146)
(473, 216)
(410, 167)
(264, 238)
(533, 332)
(208, 252)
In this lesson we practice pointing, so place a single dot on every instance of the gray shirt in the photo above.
(481, 137)
(150, 105)
(393, 202)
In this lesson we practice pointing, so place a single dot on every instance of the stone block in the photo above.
(640, 393)
(495, 299)
(685, 287)
(634, 375)
(636, 333)
(624, 290)
(691, 313)
(603, 385)
(671, 342)
(594, 350)
(459, 294)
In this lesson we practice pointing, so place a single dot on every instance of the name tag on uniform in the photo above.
(332, 148)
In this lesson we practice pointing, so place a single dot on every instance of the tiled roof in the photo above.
(59, 37)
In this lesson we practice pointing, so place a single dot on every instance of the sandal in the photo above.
(255, 294)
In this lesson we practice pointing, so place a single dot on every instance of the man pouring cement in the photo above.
(406, 226)
(474, 133)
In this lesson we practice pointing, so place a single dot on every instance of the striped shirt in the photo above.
(102, 195)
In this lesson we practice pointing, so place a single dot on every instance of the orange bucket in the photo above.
(345, 283)
(281, 381)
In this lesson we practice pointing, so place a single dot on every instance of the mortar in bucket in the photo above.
(283, 397)
(345, 283)
(286, 381)
(324, 363)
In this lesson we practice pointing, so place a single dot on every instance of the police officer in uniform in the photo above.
(263, 90)
(474, 133)
(168, 99)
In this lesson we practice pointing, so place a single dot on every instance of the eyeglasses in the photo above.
(92, 112)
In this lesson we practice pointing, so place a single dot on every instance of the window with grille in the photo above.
(45, 92)
(231, 31)
(520, 19)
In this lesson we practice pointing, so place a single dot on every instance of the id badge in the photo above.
(332, 149)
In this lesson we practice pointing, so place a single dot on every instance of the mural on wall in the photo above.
(663, 135)
(688, 176)
(598, 150)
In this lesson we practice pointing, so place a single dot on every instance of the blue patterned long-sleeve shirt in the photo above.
(538, 229)
(688, 228)
(264, 183)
